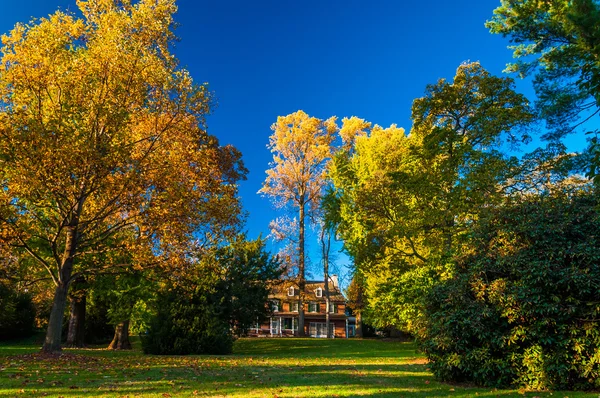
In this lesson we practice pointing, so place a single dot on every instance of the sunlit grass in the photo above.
(259, 368)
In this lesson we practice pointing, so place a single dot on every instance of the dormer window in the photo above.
(291, 291)
(319, 292)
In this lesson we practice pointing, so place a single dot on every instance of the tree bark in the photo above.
(55, 323)
(325, 244)
(54, 331)
(121, 339)
(76, 333)
(359, 325)
(301, 280)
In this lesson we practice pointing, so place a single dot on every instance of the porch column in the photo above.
(346, 327)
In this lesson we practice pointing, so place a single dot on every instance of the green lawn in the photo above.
(259, 368)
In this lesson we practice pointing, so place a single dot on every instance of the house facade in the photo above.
(284, 300)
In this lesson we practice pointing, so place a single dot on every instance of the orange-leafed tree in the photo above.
(103, 146)
(301, 147)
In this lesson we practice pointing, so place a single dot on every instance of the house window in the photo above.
(290, 323)
(333, 308)
(319, 292)
(291, 291)
(313, 307)
(275, 305)
(294, 306)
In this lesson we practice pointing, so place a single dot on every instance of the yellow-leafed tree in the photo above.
(301, 147)
(103, 145)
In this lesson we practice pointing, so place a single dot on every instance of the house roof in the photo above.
(280, 291)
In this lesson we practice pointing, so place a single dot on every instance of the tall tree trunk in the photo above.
(359, 325)
(121, 339)
(301, 280)
(76, 333)
(325, 244)
(54, 331)
(360, 306)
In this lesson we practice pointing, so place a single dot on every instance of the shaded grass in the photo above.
(259, 368)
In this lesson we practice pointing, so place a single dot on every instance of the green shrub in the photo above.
(524, 307)
(187, 323)
(17, 314)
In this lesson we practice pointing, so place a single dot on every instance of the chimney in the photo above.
(334, 281)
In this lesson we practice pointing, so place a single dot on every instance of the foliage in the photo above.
(246, 270)
(225, 293)
(188, 321)
(523, 308)
(17, 314)
(559, 41)
(406, 202)
(98, 328)
(103, 146)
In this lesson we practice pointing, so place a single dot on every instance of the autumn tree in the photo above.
(103, 146)
(301, 146)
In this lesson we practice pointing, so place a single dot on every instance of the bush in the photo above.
(17, 314)
(523, 308)
(187, 323)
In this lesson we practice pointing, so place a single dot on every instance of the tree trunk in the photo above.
(325, 244)
(54, 331)
(359, 325)
(76, 334)
(301, 280)
(361, 304)
(121, 339)
(65, 269)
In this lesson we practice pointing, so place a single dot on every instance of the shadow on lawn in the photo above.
(259, 380)
(310, 347)
(258, 368)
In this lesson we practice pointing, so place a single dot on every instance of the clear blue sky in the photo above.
(327, 57)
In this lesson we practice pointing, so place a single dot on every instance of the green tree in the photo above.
(557, 41)
(102, 132)
(406, 202)
(522, 309)
(246, 272)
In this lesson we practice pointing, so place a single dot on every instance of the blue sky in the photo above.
(327, 57)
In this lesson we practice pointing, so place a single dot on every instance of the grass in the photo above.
(258, 368)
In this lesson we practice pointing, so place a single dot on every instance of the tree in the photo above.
(406, 202)
(459, 128)
(224, 293)
(301, 146)
(559, 42)
(102, 135)
(246, 271)
(522, 308)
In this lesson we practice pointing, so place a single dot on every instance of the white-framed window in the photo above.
(319, 292)
(333, 308)
(291, 291)
(313, 307)
(318, 329)
(294, 306)
(275, 305)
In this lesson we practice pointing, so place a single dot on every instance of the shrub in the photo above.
(187, 323)
(523, 308)
(17, 314)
